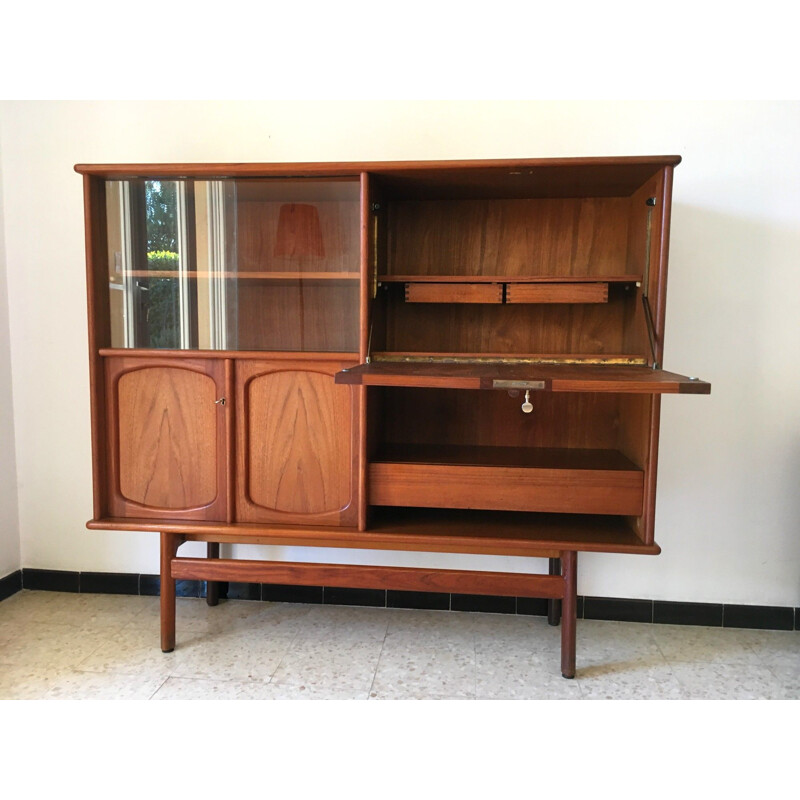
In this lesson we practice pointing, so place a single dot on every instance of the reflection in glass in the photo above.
(234, 264)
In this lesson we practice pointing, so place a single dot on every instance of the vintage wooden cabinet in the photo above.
(448, 356)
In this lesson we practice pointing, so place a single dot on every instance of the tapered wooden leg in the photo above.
(169, 548)
(569, 566)
(212, 587)
(554, 606)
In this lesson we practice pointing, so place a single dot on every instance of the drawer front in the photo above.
(575, 491)
(454, 292)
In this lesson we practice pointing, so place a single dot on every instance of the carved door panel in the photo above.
(168, 439)
(296, 459)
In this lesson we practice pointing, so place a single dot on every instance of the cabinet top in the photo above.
(610, 176)
(343, 168)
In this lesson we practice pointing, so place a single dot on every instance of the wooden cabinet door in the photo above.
(167, 438)
(296, 456)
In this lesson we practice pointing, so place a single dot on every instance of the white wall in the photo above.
(9, 522)
(728, 508)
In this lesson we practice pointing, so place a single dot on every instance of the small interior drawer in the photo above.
(557, 293)
(454, 292)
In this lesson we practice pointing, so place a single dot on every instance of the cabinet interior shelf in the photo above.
(509, 278)
(438, 530)
(249, 275)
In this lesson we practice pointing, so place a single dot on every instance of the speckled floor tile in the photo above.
(431, 627)
(68, 608)
(635, 680)
(194, 614)
(696, 644)
(133, 651)
(231, 656)
(354, 622)
(774, 648)
(707, 681)
(605, 644)
(40, 644)
(336, 663)
(203, 689)
(789, 680)
(24, 682)
(61, 645)
(221, 656)
(501, 629)
(406, 671)
(76, 685)
(519, 672)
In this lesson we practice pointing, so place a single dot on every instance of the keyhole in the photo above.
(527, 406)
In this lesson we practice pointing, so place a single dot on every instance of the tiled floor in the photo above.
(79, 646)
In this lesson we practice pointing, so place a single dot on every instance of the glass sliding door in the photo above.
(258, 264)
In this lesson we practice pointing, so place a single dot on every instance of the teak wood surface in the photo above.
(557, 293)
(368, 296)
(434, 530)
(369, 577)
(555, 378)
(167, 456)
(297, 457)
(506, 488)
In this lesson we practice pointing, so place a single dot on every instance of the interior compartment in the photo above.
(491, 272)
(581, 453)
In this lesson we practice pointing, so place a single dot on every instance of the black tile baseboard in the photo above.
(773, 618)
(282, 593)
(11, 584)
(436, 601)
(337, 596)
(232, 590)
(109, 583)
(618, 609)
(533, 606)
(671, 613)
(602, 608)
(51, 580)
(490, 604)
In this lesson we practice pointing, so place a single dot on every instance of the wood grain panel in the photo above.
(434, 530)
(553, 377)
(296, 453)
(557, 293)
(369, 577)
(167, 452)
(298, 316)
(454, 293)
(167, 438)
(576, 491)
(575, 237)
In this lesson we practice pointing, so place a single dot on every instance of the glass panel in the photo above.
(234, 264)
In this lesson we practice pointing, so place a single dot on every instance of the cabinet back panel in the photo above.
(299, 316)
(507, 328)
(563, 237)
(493, 418)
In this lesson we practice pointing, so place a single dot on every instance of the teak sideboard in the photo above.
(456, 357)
